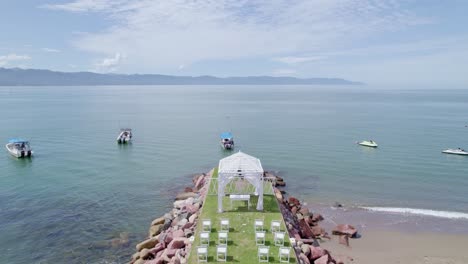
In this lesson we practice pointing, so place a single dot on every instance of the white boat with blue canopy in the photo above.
(227, 140)
(19, 148)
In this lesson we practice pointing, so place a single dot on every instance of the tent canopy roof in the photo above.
(226, 135)
(240, 162)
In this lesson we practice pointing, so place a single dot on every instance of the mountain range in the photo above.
(34, 77)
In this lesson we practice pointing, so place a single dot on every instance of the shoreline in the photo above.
(358, 235)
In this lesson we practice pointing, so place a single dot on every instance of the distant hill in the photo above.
(17, 77)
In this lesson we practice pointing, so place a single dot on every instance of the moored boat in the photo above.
(125, 136)
(227, 140)
(457, 151)
(19, 148)
(368, 143)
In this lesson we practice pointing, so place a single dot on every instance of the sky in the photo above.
(383, 42)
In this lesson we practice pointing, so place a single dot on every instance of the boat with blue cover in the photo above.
(19, 148)
(227, 140)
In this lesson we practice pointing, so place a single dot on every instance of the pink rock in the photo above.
(178, 242)
(317, 217)
(317, 231)
(199, 183)
(322, 260)
(304, 258)
(169, 237)
(158, 248)
(191, 208)
(294, 201)
(178, 233)
(170, 252)
(348, 230)
(304, 211)
(187, 225)
(188, 189)
(294, 210)
(317, 252)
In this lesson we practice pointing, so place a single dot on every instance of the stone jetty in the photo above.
(170, 236)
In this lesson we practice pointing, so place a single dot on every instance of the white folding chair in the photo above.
(222, 237)
(206, 225)
(224, 225)
(221, 253)
(283, 254)
(260, 237)
(263, 254)
(275, 226)
(258, 225)
(202, 254)
(204, 238)
(279, 238)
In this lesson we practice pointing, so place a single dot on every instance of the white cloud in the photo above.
(160, 35)
(11, 58)
(50, 50)
(295, 60)
(109, 64)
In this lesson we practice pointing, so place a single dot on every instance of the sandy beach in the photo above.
(390, 247)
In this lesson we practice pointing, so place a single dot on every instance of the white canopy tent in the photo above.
(240, 165)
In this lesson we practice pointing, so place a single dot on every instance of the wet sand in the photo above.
(396, 238)
(389, 247)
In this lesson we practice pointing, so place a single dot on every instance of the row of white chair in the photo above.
(275, 225)
(264, 254)
(221, 253)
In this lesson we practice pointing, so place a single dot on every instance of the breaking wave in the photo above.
(426, 212)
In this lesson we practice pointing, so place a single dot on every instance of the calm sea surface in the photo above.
(81, 190)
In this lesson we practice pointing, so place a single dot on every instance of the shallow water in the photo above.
(81, 190)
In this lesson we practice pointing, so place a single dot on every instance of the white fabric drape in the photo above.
(240, 165)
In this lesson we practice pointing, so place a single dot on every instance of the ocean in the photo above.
(84, 199)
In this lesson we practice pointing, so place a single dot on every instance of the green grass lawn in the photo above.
(241, 238)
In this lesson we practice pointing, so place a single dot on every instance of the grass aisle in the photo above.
(241, 238)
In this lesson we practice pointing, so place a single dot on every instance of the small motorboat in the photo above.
(457, 151)
(125, 136)
(368, 143)
(227, 141)
(19, 148)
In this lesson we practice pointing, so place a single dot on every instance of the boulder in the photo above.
(305, 249)
(199, 183)
(317, 252)
(348, 230)
(149, 243)
(278, 195)
(280, 183)
(344, 240)
(293, 201)
(322, 260)
(145, 254)
(170, 252)
(317, 217)
(294, 210)
(178, 233)
(168, 238)
(188, 189)
(317, 231)
(303, 259)
(159, 247)
(304, 211)
(136, 256)
(158, 221)
(192, 218)
(184, 196)
(155, 230)
(178, 242)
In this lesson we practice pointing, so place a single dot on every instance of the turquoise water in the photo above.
(81, 189)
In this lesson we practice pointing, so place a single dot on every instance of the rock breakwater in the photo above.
(170, 236)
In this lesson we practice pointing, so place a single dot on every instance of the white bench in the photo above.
(240, 197)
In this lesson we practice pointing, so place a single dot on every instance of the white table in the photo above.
(240, 197)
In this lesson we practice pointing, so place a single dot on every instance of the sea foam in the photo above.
(426, 212)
